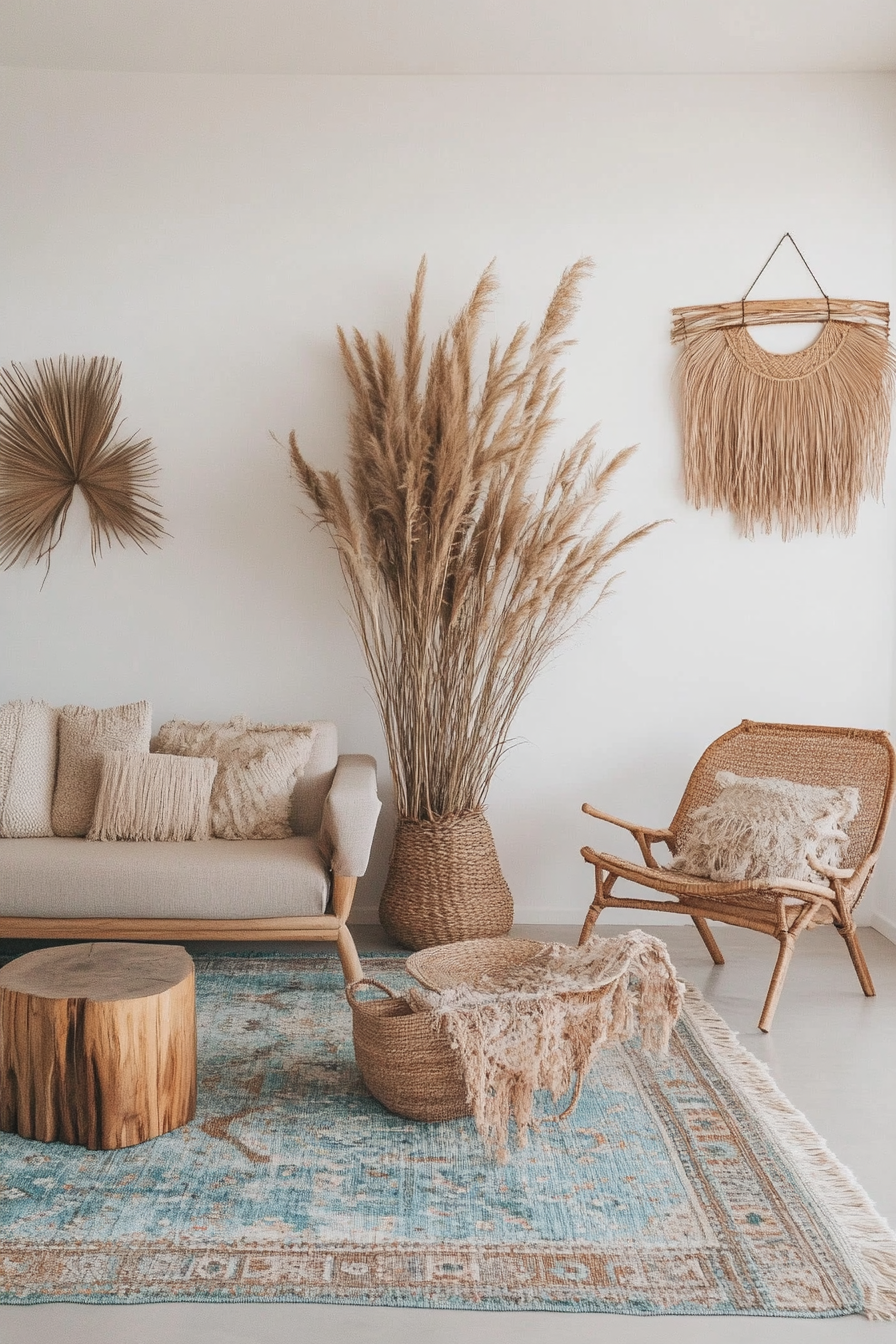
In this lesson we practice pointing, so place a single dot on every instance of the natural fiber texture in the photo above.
(153, 797)
(258, 766)
(792, 441)
(463, 574)
(84, 734)
(445, 883)
(59, 429)
(686, 1185)
(471, 962)
(541, 1023)
(28, 730)
(405, 1059)
(766, 828)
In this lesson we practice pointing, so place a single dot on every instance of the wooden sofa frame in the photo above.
(327, 928)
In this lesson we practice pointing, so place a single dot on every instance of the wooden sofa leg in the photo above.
(850, 936)
(706, 934)
(788, 943)
(348, 955)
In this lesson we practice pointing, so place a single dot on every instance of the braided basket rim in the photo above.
(466, 963)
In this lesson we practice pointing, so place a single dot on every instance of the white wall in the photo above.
(211, 231)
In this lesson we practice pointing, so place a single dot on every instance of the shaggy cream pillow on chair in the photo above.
(765, 828)
(144, 797)
(84, 734)
(258, 766)
(27, 768)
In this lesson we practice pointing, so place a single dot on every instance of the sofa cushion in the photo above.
(84, 734)
(206, 879)
(313, 786)
(258, 765)
(153, 797)
(27, 768)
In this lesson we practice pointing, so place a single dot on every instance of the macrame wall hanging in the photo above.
(790, 441)
(59, 428)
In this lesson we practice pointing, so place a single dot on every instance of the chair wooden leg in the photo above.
(788, 943)
(706, 934)
(348, 955)
(590, 920)
(850, 935)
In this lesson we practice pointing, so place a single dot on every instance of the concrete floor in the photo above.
(832, 1052)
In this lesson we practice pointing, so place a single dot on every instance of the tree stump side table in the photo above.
(98, 1043)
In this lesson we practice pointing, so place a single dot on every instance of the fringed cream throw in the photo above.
(791, 441)
(544, 1023)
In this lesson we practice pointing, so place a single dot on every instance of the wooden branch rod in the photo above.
(762, 312)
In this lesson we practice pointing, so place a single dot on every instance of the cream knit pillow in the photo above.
(143, 797)
(27, 768)
(84, 734)
(258, 765)
(764, 828)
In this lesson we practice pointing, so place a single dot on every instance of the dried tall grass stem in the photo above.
(462, 577)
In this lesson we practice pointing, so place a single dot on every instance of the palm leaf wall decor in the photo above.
(60, 428)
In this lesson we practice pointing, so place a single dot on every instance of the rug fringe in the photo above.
(868, 1239)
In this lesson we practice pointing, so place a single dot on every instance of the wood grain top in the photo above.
(99, 972)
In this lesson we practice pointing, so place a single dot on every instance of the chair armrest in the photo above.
(351, 809)
(644, 835)
(650, 833)
(843, 873)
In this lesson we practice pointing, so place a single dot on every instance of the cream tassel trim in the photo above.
(153, 797)
(867, 1242)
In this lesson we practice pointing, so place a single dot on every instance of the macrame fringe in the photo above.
(544, 1024)
(868, 1243)
(794, 441)
(153, 797)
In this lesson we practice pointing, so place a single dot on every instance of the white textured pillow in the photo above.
(765, 828)
(143, 797)
(27, 768)
(84, 734)
(258, 765)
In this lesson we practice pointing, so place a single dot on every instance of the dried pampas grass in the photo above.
(790, 441)
(463, 577)
(58, 430)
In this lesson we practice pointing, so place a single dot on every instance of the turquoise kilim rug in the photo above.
(686, 1185)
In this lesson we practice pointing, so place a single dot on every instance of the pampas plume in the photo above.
(462, 577)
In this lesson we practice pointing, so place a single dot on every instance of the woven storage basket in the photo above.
(467, 963)
(445, 883)
(409, 1067)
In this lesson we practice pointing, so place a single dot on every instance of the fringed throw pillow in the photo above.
(144, 797)
(27, 768)
(764, 828)
(84, 734)
(258, 766)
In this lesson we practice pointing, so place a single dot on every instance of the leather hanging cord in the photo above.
(782, 239)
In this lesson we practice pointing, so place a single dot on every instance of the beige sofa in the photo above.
(299, 889)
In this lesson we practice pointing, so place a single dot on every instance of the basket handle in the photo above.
(350, 990)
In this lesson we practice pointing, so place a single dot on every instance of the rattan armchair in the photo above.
(779, 907)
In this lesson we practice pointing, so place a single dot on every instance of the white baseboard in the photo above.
(565, 915)
(885, 926)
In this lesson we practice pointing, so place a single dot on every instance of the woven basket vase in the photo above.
(445, 883)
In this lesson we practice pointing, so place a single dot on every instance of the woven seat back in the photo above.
(807, 755)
